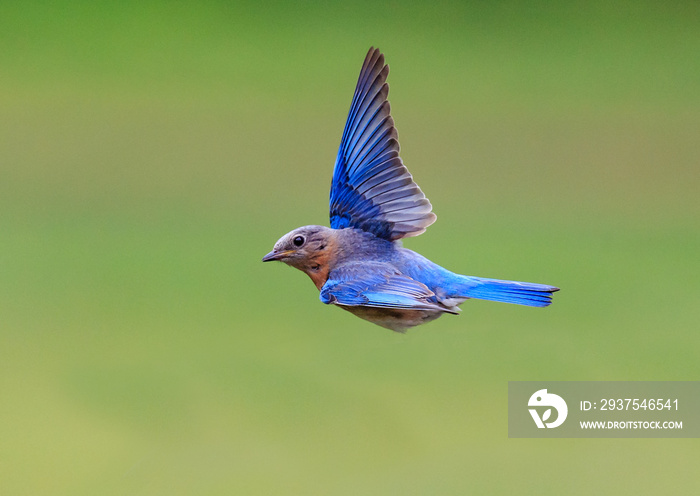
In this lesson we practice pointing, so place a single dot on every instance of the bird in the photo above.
(359, 263)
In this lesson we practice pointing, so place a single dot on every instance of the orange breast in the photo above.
(319, 277)
(323, 260)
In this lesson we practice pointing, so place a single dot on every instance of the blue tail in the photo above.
(520, 293)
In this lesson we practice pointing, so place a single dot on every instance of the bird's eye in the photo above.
(298, 241)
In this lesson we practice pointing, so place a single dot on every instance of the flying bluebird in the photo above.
(358, 263)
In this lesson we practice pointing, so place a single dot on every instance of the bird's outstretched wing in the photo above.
(372, 284)
(371, 189)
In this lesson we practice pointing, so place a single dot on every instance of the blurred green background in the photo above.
(152, 152)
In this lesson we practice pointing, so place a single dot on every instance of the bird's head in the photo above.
(307, 248)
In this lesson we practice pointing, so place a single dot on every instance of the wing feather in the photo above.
(371, 188)
(355, 285)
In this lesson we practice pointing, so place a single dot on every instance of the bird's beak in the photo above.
(275, 255)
